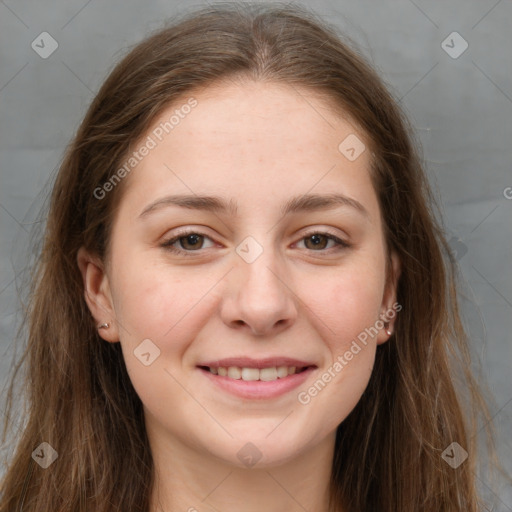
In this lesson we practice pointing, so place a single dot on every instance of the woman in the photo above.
(244, 300)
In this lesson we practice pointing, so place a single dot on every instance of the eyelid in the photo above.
(330, 235)
(180, 234)
(340, 242)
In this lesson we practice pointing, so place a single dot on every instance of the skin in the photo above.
(260, 144)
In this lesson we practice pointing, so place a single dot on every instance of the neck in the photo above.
(186, 480)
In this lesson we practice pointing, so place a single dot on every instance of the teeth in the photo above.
(263, 374)
(250, 374)
(267, 374)
(234, 372)
(282, 371)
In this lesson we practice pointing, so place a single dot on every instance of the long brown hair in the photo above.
(79, 395)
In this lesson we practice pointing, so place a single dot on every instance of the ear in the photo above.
(390, 308)
(97, 294)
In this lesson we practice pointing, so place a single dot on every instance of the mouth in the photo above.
(267, 374)
(256, 379)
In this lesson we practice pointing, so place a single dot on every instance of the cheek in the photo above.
(349, 308)
(153, 299)
(352, 301)
(352, 306)
(163, 305)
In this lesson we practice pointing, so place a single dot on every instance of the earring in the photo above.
(104, 326)
(388, 332)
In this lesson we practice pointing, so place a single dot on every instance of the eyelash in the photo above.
(167, 245)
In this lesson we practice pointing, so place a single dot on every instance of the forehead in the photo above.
(260, 140)
(260, 118)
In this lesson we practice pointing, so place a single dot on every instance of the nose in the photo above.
(260, 298)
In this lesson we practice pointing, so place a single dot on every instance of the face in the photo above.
(256, 292)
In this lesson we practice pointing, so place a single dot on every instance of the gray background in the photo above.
(460, 107)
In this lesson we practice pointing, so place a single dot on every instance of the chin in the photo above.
(260, 451)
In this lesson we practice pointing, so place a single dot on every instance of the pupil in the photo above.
(317, 240)
(191, 239)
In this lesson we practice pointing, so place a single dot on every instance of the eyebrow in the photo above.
(308, 202)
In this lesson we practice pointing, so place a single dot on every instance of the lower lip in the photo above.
(257, 389)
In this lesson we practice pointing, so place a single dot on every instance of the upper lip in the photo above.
(248, 362)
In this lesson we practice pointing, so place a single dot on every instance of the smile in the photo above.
(252, 374)
(256, 379)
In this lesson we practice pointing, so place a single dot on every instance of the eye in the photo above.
(319, 240)
(191, 241)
